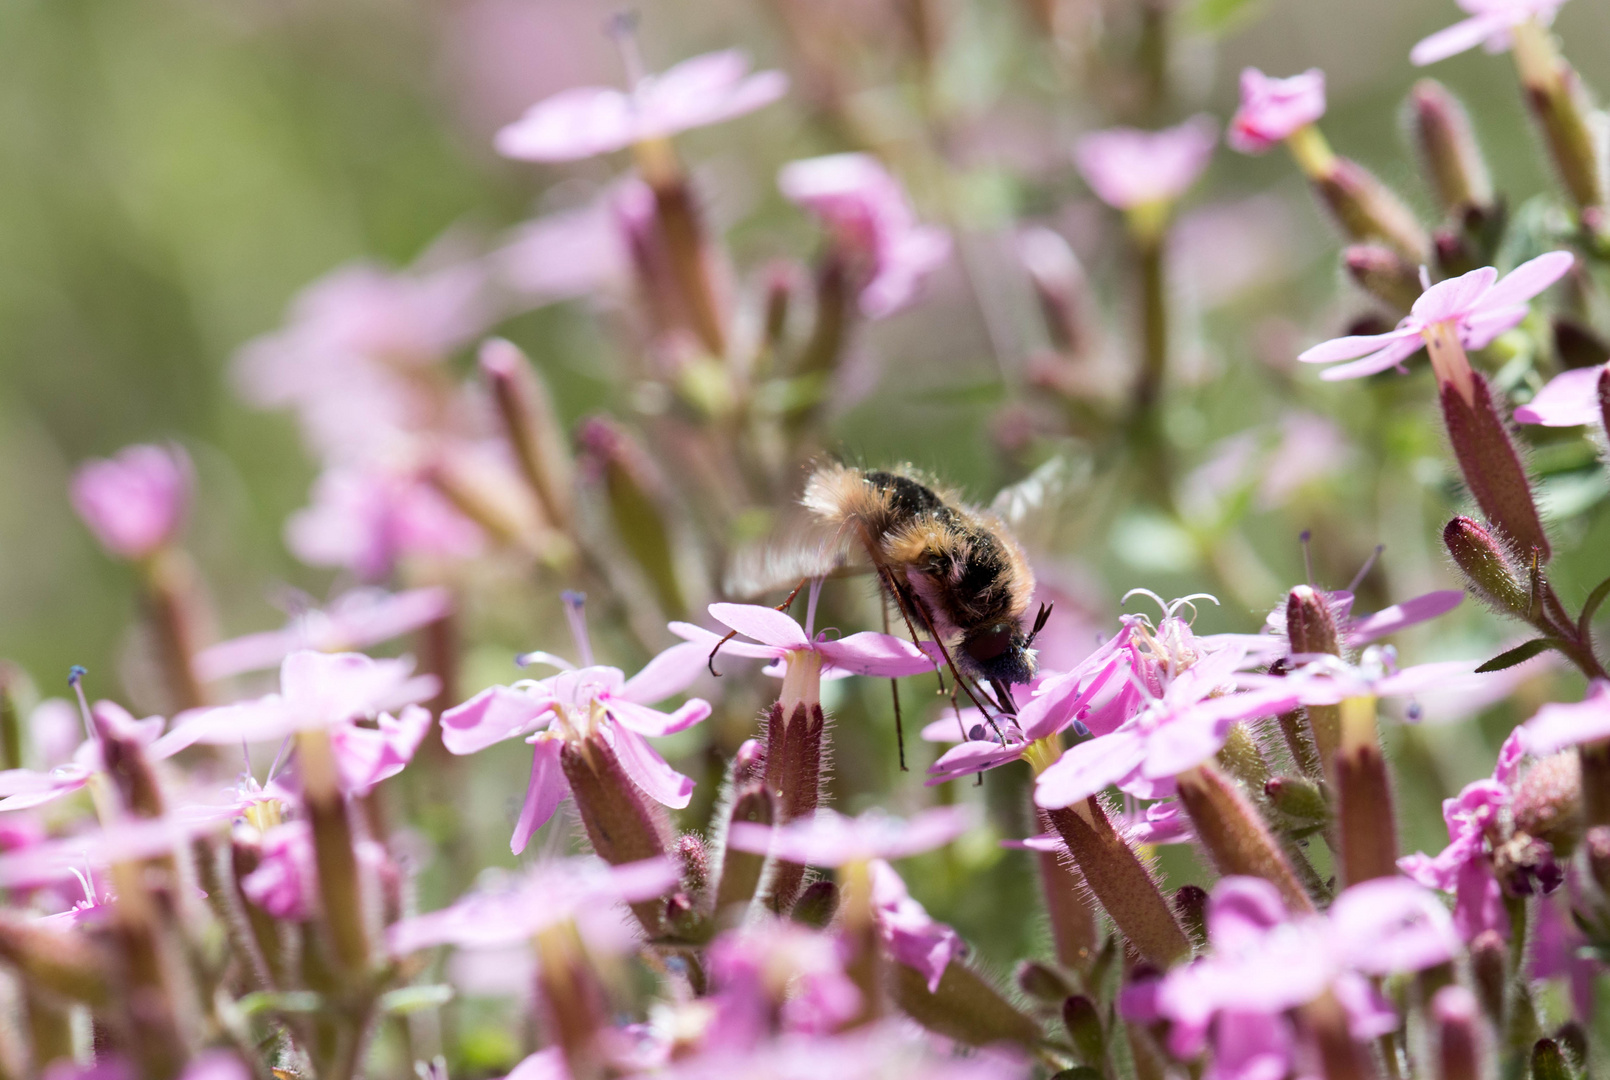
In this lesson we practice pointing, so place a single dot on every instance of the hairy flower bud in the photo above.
(1384, 274)
(1234, 835)
(964, 1008)
(623, 823)
(1367, 209)
(1489, 971)
(1491, 465)
(1487, 566)
(1190, 904)
(1597, 841)
(532, 426)
(1083, 1021)
(1041, 981)
(741, 870)
(1548, 802)
(1448, 148)
(1365, 822)
(817, 905)
(1297, 798)
(1458, 1047)
(1559, 103)
(1075, 931)
(1309, 624)
(1547, 1061)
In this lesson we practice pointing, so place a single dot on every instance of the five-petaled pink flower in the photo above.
(830, 839)
(1490, 25)
(1357, 631)
(1569, 399)
(589, 120)
(135, 502)
(1476, 307)
(1271, 109)
(873, 226)
(576, 705)
(1129, 168)
(774, 635)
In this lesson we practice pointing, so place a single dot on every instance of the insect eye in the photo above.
(989, 644)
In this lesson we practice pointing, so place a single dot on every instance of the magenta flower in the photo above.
(1329, 680)
(317, 691)
(1569, 399)
(1358, 631)
(547, 894)
(1475, 307)
(1263, 963)
(589, 120)
(776, 973)
(580, 704)
(370, 518)
(1556, 726)
(1271, 109)
(135, 502)
(24, 789)
(1464, 867)
(881, 1051)
(355, 620)
(286, 881)
(774, 635)
(1128, 168)
(909, 934)
(831, 839)
(872, 223)
(1489, 26)
(365, 756)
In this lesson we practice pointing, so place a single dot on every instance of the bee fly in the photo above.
(953, 570)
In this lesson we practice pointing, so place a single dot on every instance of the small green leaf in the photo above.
(289, 1001)
(1518, 655)
(413, 998)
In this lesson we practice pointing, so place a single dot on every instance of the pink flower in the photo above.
(831, 839)
(355, 620)
(365, 756)
(317, 690)
(135, 502)
(581, 704)
(1128, 168)
(369, 518)
(137, 838)
(589, 120)
(1358, 631)
(1489, 26)
(1262, 963)
(872, 224)
(1557, 726)
(773, 635)
(909, 934)
(285, 883)
(882, 1051)
(1570, 399)
(1271, 109)
(549, 893)
(1329, 680)
(1478, 307)
(568, 254)
(775, 973)
(23, 789)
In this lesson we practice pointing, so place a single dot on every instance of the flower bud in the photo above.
(624, 824)
(681, 231)
(1487, 566)
(1547, 1061)
(1309, 624)
(340, 890)
(964, 1008)
(1083, 1021)
(749, 763)
(1297, 798)
(1365, 823)
(1384, 274)
(817, 905)
(1559, 104)
(1548, 802)
(1190, 905)
(637, 504)
(1075, 932)
(1458, 1046)
(570, 1001)
(1041, 981)
(1489, 971)
(1573, 1040)
(532, 426)
(695, 862)
(135, 503)
(1448, 148)
(1491, 466)
(1367, 209)
(1236, 839)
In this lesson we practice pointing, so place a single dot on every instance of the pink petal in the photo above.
(765, 625)
(647, 721)
(1454, 39)
(733, 647)
(1347, 348)
(1391, 925)
(669, 673)
(1389, 357)
(1088, 768)
(1199, 731)
(1528, 279)
(1477, 331)
(571, 125)
(947, 729)
(972, 757)
(1569, 399)
(1398, 616)
(1443, 675)
(1241, 910)
(705, 90)
(649, 771)
(1454, 298)
(1557, 726)
(881, 655)
(543, 792)
(490, 717)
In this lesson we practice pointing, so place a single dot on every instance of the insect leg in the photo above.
(894, 690)
(933, 632)
(710, 661)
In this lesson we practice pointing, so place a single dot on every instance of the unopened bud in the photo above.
(1454, 252)
(637, 503)
(1309, 624)
(1489, 971)
(1041, 981)
(1547, 1061)
(1234, 834)
(1548, 802)
(964, 1008)
(749, 763)
(1555, 94)
(124, 759)
(1083, 1021)
(624, 825)
(695, 862)
(741, 870)
(1573, 1041)
(1384, 274)
(817, 904)
(531, 424)
(1604, 399)
(1297, 798)
(1597, 841)
(1487, 566)
(1367, 209)
(1458, 1047)
(1062, 289)
(1190, 905)
(1491, 466)
(1448, 148)
(1365, 822)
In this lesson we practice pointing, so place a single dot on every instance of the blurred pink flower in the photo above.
(1330, 680)
(24, 789)
(285, 883)
(1477, 305)
(367, 519)
(773, 635)
(568, 254)
(66, 858)
(831, 839)
(317, 690)
(135, 502)
(1271, 109)
(1127, 168)
(354, 620)
(881, 1051)
(1558, 725)
(1262, 963)
(581, 704)
(549, 893)
(1489, 26)
(589, 120)
(366, 756)
(1569, 400)
(909, 934)
(1356, 631)
(776, 973)
(872, 224)
(216, 1065)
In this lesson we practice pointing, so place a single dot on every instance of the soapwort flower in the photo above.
(1490, 25)
(1128, 168)
(1272, 109)
(135, 502)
